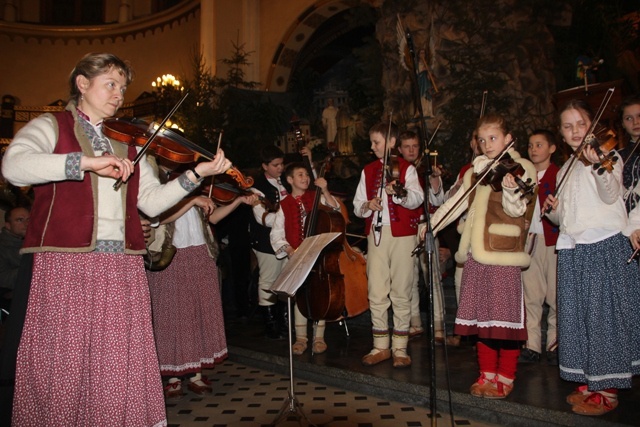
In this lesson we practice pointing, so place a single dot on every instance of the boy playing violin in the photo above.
(410, 150)
(390, 267)
(288, 233)
(269, 186)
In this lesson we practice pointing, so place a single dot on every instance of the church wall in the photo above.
(276, 18)
(36, 72)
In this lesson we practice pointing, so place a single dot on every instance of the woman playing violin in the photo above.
(89, 313)
(598, 298)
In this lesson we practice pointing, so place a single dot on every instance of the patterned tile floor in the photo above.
(246, 396)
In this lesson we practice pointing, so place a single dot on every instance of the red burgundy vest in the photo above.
(546, 186)
(63, 216)
(293, 219)
(404, 222)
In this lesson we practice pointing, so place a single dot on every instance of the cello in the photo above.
(353, 266)
(350, 263)
(322, 296)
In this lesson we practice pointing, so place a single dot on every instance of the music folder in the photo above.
(297, 269)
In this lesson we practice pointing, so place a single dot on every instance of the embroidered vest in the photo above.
(404, 222)
(294, 217)
(546, 186)
(64, 214)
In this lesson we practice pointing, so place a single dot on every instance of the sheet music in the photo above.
(300, 264)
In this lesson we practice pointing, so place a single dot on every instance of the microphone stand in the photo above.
(429, 250)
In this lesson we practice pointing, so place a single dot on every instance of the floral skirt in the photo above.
(491, 302)
(87, 355)
(598, 315)
(187, 313)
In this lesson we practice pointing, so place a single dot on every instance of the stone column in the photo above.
(124, 13)
(251, 37)
(208, 33)
(10, 11)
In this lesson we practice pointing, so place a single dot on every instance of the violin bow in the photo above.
(433, 135)
(483, 105)
(485, 95)
(213, 176)
(627, 194)
(633, 150)
(426, 152)
(377, 228)
(582, 146)
(146, 145)
(418, 249)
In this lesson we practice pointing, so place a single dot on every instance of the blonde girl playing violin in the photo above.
(598, 292)
(492, 250)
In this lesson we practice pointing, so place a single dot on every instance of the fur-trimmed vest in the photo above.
(492, 236)
(64, 214)
(294, 217)
(404, 222)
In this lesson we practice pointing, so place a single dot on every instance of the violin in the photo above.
(225, 190)
(493, 177)
(167, 143)
(432, 159)
(393, 174)
(586, 140)
(133, 131)
(601, 140)
(384, 173)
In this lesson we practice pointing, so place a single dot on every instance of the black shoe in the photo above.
(282, 318)
(552, 358)
(529, 356)
(271, 329)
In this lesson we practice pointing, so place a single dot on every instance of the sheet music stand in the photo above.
(288, 282)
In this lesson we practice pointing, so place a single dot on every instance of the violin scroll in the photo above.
(243, 181)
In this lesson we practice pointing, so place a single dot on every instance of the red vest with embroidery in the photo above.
(294, 216)
(546, 186)
(63, 215)
(404, 222)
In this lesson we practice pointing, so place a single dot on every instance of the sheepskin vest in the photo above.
(492, 236)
